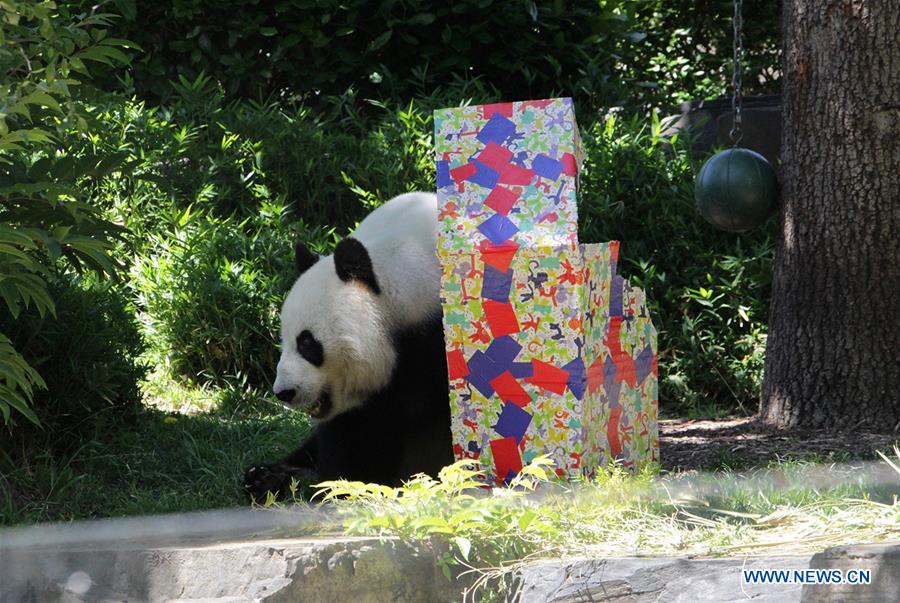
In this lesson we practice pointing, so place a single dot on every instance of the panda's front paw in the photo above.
(276, 478)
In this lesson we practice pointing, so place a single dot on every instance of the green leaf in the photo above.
(14, 237)
(15, 400)
(19, 382)
(53, 249)
(525, 519)
(464, 545)
(422, 19)
(22, 109)
(78, 65)
(103, 54)
(11, 296)
(13, 251)
(60, 233)
(121, 42)
(379, 41)
(381, 521)
(42, 99)
(25, 135)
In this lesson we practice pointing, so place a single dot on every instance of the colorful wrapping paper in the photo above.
(549, 351)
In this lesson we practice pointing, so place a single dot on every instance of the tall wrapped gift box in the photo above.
(549, 350)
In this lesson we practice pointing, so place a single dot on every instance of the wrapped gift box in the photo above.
(549, 351)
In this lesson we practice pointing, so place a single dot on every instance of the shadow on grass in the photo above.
(159, 463)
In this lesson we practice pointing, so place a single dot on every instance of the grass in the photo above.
(163, 461)
(188, 449)
(175, 457)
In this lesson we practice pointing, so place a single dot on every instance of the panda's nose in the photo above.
(285, 395)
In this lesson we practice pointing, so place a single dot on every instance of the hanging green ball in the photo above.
(736, 190)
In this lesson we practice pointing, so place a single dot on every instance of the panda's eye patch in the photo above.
(310, 348)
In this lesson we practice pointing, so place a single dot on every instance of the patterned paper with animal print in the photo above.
(549, 351)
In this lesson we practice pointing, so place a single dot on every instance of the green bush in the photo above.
(44, 215)
(172, 163)
(209, 292)
(687, 52)
(245, 154)
(87, 355)
(210, 279)
(616, 52)
(215, 210)
(315, 48)
(708, 290)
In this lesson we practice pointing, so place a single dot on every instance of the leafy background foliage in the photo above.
(86, 355)
(210, 290)
(43, 217)
(708, 290)
(607, 52)
(158, 160)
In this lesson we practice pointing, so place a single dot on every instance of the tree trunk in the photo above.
(833, 353)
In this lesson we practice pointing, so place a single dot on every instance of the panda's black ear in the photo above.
(352, 262)
(303, 257)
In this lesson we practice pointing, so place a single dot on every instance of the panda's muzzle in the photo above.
(320, 407)
(317, 409)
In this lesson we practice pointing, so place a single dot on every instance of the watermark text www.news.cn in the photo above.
(807, 576)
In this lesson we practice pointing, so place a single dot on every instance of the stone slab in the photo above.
(883, 560)
(247, 556)
(219, 556)
(646, 579)
(339, 569)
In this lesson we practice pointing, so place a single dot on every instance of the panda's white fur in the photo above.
(353, 324)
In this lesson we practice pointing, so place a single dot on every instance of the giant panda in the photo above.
(362, 352)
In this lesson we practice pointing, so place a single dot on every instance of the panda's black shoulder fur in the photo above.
(401, 430)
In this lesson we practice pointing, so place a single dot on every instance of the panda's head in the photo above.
(336, 348)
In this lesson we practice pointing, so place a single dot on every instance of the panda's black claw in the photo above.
(276, 478)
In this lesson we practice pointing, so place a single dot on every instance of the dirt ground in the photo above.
(741, 443)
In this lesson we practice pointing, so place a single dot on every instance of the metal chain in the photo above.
(736, 133)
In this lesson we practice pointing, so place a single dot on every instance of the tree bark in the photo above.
(833, 352)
